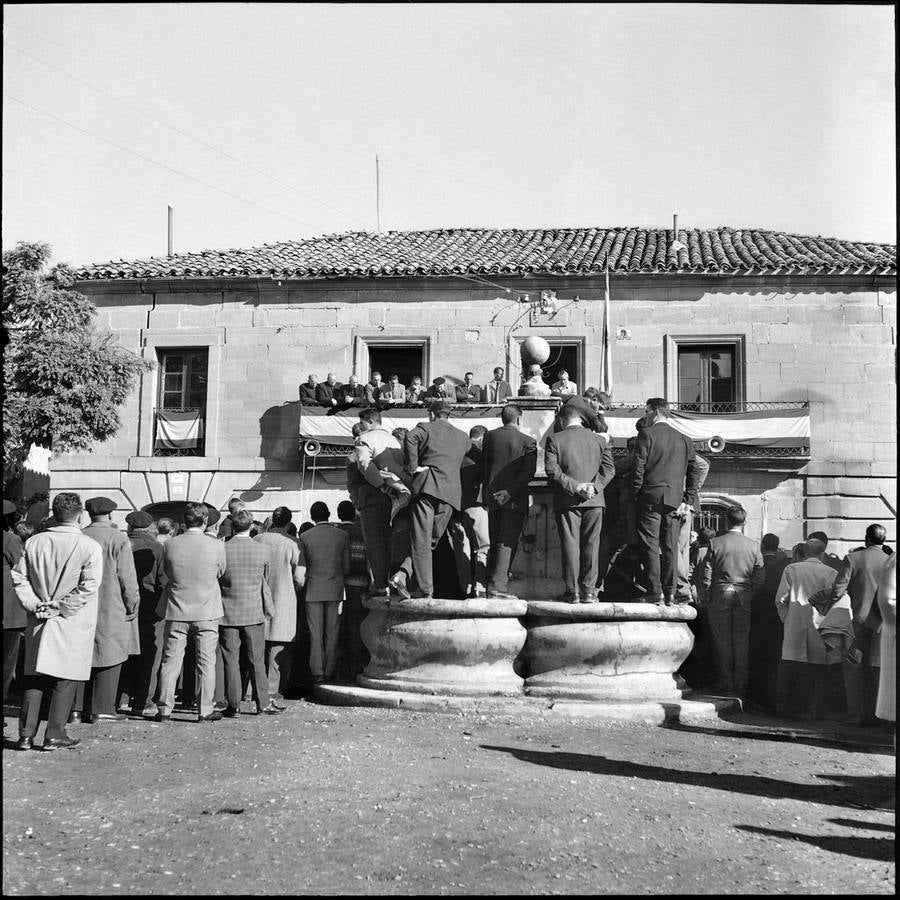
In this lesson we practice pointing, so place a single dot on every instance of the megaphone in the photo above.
(312, 448)
(716, 444)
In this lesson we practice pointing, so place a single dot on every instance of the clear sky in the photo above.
(533, 115)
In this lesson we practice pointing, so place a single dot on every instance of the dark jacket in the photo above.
(441, 446)
(470, 477)
(14, 615)
(308, 392)
(858, 577)
(572, 457)
(348, 393)
(326, 392)
(148, 567)
(664, 466)
(734, 559)
(589, 417)
(470, 394)
(509, 460)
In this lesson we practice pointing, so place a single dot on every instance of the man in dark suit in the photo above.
(468, 528)
(434, 454)
(468, 391)
(14, 616)
(579, 464)
(588, 407)
(247, 602)
(664, 483)
(191, 604)
(352, 393)
(437, 390)
(144, 669)
(496, 390)
(308, 389)
(509, 460)
(327, 392)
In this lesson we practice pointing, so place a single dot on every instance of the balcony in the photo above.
(179, 431)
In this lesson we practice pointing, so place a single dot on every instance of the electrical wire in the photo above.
(155, 162)
(184, 133)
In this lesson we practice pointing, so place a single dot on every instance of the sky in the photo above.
(261, 123)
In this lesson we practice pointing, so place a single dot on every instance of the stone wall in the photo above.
(830, 341)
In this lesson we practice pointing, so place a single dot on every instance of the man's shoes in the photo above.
(379, 594)
(214, 716)
(24, 743)
(421, 595)
(271, 710)
(500, 595)
(682, 599)
(568, 598)
(63, 743)
(590, 597)
(397, 584)
(74, 718)
(230, 712)
(277, 705)
(108, 717)
(160, 717)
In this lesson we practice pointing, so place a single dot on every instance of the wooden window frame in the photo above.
(674, 342)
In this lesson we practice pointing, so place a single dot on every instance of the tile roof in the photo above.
(510, 252)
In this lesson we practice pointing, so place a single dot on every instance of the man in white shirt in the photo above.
(564, 387)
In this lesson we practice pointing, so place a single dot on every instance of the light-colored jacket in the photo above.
(886, 707)
(193, 563)
(285, 572)
(58, 563)
(802, 639)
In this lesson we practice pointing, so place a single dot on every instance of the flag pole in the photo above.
(605, 337)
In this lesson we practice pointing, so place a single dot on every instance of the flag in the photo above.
(606, 372)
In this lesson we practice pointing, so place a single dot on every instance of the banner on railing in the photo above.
(763, 428)
(178, 430)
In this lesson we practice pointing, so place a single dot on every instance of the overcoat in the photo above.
(283, 580)
(117, 636)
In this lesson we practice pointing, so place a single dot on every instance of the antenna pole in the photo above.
(171, 215)
(377, 195)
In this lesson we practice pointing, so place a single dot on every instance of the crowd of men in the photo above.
(103, 614)
(332, 392)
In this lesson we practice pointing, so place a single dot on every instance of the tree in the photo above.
(63, 381)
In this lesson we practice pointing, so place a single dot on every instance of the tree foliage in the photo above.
(63, 381)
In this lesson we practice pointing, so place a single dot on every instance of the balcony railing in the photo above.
(186, 437)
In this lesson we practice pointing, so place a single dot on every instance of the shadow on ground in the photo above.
(881, 849)
(868, 791)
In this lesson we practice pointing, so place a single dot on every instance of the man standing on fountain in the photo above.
(579, 466)
(434, 454)
(664, 483)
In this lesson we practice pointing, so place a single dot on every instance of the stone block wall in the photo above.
(829, 341)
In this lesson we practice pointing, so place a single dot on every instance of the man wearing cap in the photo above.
(57, 581)
(14, 616)
(212, 518)
(117, 636)
(144, 669)
(434, 455)
(234, 504)
(191, 604)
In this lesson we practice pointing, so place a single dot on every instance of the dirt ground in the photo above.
(354, 801)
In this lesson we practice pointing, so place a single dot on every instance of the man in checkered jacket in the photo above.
(247, 600)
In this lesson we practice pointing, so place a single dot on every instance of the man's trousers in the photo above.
(579, 537)
(429, 519)
(280, 667)
(145, 668)
(253, 637)
(728, 613)
(12, 640)
(175, 635)
(504, 531)
(376, 527)
(323, 620)
(658, 528)
(470, 540)
(61, 693)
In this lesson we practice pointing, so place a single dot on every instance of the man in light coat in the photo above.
(57, 581)
(286, 576)
(805, 656)
(191, 605)
(326, 554)
(117, 636)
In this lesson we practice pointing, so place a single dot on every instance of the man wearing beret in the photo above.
(144, 669)
(14, 616)
(117, 636)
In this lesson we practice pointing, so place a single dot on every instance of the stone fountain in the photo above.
(613, 658)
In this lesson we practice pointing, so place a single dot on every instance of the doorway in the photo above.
(404, 361)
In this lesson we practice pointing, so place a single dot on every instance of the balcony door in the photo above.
(181, 404)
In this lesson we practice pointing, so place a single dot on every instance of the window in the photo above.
(404, 361)
(705, 373)
(181, 405)
(712, 515)
(706, 376)
(565, 355)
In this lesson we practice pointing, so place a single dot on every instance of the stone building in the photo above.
(720, 320)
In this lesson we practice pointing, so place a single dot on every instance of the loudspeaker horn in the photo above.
(312, 448)
(716, 444)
